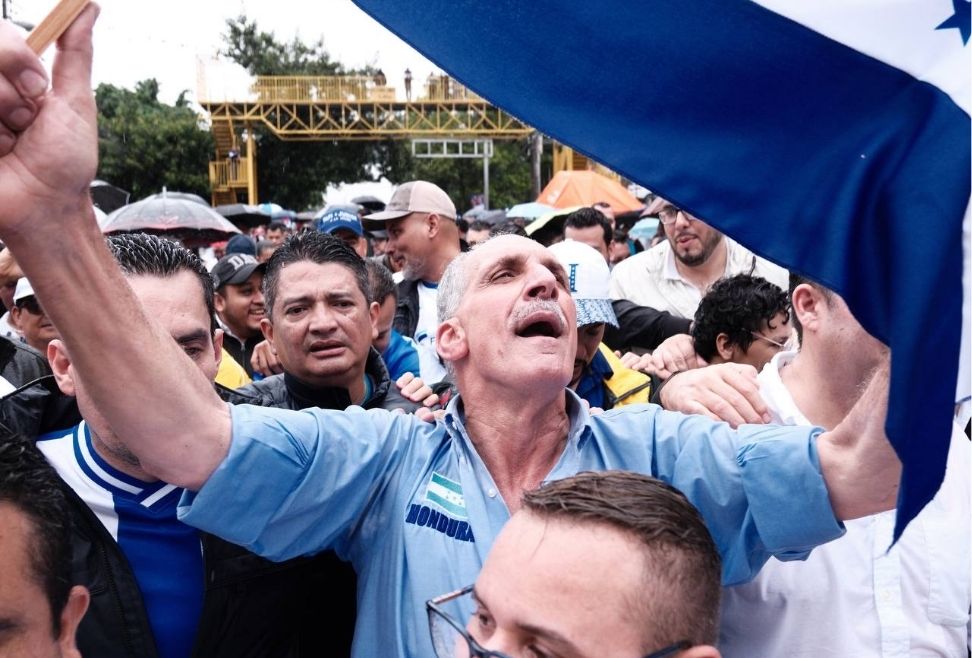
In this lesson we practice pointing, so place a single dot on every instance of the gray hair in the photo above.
(452, 286)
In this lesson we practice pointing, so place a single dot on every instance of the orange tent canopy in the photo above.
(585, 188)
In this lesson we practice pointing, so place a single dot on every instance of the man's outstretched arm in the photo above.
(149, 391)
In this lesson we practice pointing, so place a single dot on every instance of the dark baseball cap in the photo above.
(235, 269)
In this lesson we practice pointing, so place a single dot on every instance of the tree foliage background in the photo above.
(144, 144)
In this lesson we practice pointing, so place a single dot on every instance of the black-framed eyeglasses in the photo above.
(450, 638)
(669, 214)
(31, 305)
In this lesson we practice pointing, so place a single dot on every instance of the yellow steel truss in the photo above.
(314, 108)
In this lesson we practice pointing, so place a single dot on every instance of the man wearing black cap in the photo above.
(421, 222)
(237, 279)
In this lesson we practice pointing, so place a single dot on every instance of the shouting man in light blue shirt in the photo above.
(415, 506)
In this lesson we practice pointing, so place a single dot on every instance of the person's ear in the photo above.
(218, 346)
(432, 222)
(15, 312)
(71, 615)
(60, 363)
(450, 341)
(806, 305)
(726, 349)
(267, 328)
(374, 310)
(220, 302)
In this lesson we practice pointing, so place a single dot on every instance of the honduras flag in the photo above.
(832, 136)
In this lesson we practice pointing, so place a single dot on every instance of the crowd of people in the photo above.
(393, 432)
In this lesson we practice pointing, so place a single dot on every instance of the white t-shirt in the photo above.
(431, 367)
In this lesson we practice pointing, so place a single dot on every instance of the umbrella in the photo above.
(494, 216)
(193, 223)
(184, 196)
(372, 203)
(548, 226)
(530, 210)
(644, 229)
(106, 196)
(352, 208)
(277, 212)
(243, 215)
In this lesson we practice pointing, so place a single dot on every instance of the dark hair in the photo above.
(316, 247)
(30, 484)
(277, 226)
(620, 235)
(796, 280)
(480, 225)
(737, 306)
(462, 224)
(264, 245)
(587, 217)
(381, 283)
(507, 228)
(682, 565)
(141, 254)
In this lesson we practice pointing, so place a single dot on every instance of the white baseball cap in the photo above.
(589, 279)
(23, 289)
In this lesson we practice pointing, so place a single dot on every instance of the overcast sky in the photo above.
(139, 39)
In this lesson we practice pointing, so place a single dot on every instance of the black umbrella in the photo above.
(106, 196)
(372, 203)
(243, 215)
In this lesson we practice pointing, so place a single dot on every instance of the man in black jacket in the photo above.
(320, 325)
(30, 402)
(158, 587)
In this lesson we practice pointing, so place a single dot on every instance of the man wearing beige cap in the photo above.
(420, 221)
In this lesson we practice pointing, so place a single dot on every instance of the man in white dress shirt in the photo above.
(674, 274)
(853, 597)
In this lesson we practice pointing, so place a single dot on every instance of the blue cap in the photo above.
(336, 219)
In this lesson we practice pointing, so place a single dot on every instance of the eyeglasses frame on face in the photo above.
(774, 343)
(433, 608)
(669, 215)
(30, 304)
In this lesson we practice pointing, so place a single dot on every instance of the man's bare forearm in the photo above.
(146, 388)
(859, 465)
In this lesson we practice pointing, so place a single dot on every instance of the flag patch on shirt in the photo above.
(446, 494)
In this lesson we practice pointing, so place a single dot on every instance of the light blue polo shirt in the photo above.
(412, 505)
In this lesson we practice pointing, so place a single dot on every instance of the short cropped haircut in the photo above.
(507, 228)
(141, 254)
(380, 281)
(316, 247)
(737, 306)
(796, 280)
(30, 484)
(588, 217)
(479, 225)
(278, 226)
(682, 567)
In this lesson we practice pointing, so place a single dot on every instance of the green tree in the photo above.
(295, 174)
(144, 144)
(462, 178)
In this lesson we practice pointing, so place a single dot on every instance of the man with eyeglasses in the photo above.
(674, 274)
(608, 564)
(415, 506)
(742, 319)
(875, 600)
(29, 317)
